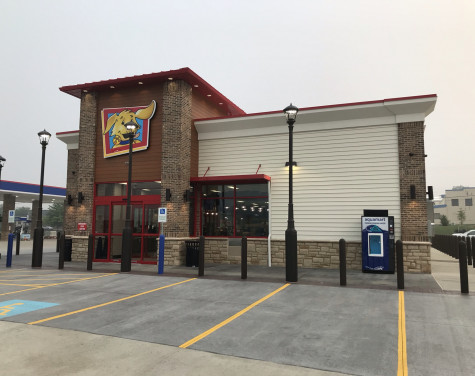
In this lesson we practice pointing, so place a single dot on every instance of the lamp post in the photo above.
(127, 238)
(37, 254)
(2, 163)
(291, 233)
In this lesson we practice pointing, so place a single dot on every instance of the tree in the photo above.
(444, 221)
(22, 211)
(54, 216)
(461, 216)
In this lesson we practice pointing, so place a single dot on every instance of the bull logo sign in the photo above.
(114, 130)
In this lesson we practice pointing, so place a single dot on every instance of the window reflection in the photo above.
(235, 210)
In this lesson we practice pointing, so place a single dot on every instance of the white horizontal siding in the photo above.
(340, 173)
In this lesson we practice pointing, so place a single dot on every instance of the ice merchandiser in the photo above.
(377, 240)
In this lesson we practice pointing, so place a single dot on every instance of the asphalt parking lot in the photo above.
(79, 322)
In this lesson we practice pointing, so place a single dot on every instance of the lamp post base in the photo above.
(37, 254)
(291, 274)
(127, 243)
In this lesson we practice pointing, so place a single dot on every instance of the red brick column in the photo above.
(176, 154)
(412, 172)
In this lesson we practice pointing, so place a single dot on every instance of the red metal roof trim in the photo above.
(231, 178)
(185, 74)
(67, 132)
(323, 107)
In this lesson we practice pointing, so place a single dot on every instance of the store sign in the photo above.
(11, 216)
(82, 226)
(162, 214)
(114, 129)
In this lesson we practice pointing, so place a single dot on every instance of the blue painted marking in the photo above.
(16, 307)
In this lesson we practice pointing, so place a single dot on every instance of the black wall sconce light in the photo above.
(413, 192)
(80, 198)
(293, 164)
(168, 194)
(430, 192)
(70, 199)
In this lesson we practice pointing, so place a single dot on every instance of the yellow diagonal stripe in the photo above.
(59, 283)
(228, 320)
(401, 348)
(108, 303)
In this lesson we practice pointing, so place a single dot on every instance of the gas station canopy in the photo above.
(26, 192)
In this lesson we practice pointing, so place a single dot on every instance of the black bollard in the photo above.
(61, 250)
(342, 262)
(90, 247)
(469, 251)
(244, 258)
(58, 236)
(17, 252)
(400, 265)
(201, 257)
(463, 267)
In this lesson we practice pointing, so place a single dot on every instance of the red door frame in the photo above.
(122, 200)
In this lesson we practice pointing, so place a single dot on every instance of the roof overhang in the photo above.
(186, 74)
(26, 193)
(70, 138)
(236, 179)
(386, 111)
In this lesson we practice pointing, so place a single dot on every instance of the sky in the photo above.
(261, 54)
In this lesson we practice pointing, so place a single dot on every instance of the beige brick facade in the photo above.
(176, 151)
(412, 172)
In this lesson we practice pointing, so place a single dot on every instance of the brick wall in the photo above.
(79, 248)
(311, 254)
(70, 224)
(81, 170)
(8, 204)
(412, 172)
(176, 144)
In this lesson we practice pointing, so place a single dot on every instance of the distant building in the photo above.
(454, 200)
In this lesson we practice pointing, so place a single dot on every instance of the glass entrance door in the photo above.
(110, 222)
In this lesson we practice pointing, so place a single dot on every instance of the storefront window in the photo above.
(252, 215)
(111, 189)
(218, 217)
(102, 219)
(235, 210)
(146, 188)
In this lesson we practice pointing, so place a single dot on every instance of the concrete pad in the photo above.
(440, 334)
(39, 351)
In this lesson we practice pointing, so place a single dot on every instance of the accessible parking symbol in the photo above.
(16, 307)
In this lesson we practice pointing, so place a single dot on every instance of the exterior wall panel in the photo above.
(340, 173)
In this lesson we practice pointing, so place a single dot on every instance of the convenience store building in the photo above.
(221, 173)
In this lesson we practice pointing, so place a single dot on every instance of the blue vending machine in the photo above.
(377, 240)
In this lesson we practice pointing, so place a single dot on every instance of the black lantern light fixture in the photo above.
(37, 254)
(291, 274)
(127, 239)
(2, 163)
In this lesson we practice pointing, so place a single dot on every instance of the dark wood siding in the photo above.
(200, 109)
(146, 163)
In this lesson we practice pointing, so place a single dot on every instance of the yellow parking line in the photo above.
(229, 319)
(34, 279)
(401, 348)
(18, 284)
(59, 283)
(108, 303)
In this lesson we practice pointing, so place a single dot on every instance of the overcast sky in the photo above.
(260, 54)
